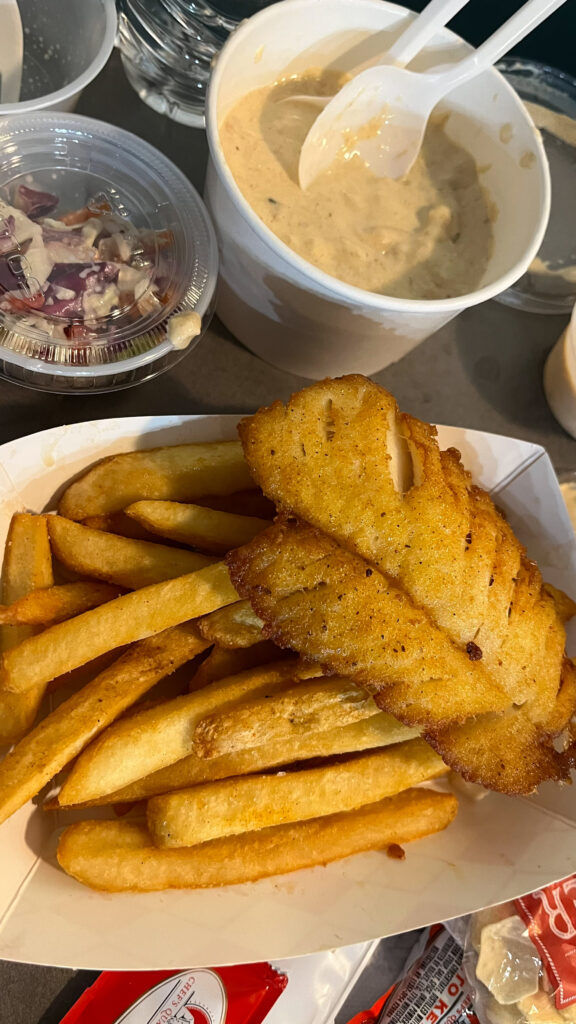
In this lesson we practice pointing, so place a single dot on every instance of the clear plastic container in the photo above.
(559, 378)
(66, 44)
(121, 288)
(549, 284)
(168, 46)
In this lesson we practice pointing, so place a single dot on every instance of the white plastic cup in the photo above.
(66, 44)
(281, 307)
(560, 378)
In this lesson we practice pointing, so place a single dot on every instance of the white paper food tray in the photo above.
(497, 848)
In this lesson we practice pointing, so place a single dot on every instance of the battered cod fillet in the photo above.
(341, 457)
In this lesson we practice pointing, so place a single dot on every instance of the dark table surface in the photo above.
(483, 370)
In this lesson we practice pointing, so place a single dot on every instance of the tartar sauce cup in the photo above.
(288, 311)
(108, 258)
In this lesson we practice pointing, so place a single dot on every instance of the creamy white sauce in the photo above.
(427, 235)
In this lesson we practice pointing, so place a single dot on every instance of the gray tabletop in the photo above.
(482, 371)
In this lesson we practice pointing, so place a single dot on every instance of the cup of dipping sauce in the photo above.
(108, 259)
(312, 305)
(560, 378)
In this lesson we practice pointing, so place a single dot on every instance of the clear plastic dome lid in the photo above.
(107, 254)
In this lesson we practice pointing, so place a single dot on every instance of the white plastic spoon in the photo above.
(435, 16)
(383, 112)
(11, 52)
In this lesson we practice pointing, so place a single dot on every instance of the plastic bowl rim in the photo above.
(51, 99)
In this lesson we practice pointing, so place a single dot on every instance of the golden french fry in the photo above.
(27, 567)
(162, 735)
(65, 732)
(195, 525)
(125, 561)
(234, 626)
(179, 473)
(243, 503)
(379, 731)
(78, 677)
(119, 856)
(54, 604)
(324, 703)
(132, 617)
(119, 523)
(565, 606)
(222, 662)
(232, 806)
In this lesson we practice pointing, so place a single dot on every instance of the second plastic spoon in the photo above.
(382, 113)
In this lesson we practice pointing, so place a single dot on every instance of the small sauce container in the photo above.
(560, 378)
(108, 259)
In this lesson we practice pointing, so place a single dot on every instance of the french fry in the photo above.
(27, 566)
(234, 626)
(379, 731)
(179, 473)
(232, 806)
(119, 856)
(320, 704)
(243, 503)
(54, 604)
(199, 527)
(222, 662)
(78, 677)
(67, 730)
(124, 561)
(162, 735)
(132, 617)
(121, 524)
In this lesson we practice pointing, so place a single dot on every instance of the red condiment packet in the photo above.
(550, 917)
(219, 995)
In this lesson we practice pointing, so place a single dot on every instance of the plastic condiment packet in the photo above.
(308, 989)
(550, 917)
(520, 958)
(432, 990)
(507, 963)
(221, 995)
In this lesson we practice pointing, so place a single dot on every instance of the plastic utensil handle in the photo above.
(512, 31)
(437, 14)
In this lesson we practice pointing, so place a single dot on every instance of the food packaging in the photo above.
(288, 311)
(106, 250)
(222, 995)
(521, 958)
(433, 987)
(495, 850)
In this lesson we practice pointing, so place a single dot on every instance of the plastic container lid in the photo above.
(108, 259)
(549, 285)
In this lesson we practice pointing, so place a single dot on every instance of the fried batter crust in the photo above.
(342, 457)
(332, 607)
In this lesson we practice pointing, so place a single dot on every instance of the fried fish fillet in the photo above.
(341, 457)
(329, 604)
